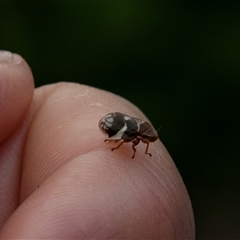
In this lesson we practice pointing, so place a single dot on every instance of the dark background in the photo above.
(178, 61)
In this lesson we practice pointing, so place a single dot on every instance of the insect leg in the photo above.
(119, 145)
(146, 150)
(135, 143)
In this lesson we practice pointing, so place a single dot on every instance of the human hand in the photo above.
(58, 179)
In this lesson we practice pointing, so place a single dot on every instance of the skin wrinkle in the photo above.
(120, 187)
(97, 223)
(165, 170)
(99, 199)
(34, 108)
(167, 185)
(57, 165)
(153, 193)
(144, 199)
(46, 140)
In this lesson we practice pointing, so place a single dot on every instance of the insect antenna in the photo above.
(160, 128)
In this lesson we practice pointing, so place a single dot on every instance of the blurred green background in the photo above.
(178, 61)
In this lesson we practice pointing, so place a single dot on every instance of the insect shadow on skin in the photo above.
(122, 128)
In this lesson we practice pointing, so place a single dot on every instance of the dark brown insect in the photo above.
(123, 128)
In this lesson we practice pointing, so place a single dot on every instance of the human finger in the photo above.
(74, 186)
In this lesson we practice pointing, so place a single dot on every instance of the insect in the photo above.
(123, 128)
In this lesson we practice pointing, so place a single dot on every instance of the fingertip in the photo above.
(16, 86)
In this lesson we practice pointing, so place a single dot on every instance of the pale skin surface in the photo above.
(59, 179)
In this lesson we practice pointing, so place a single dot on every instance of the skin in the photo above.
(59, 179)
